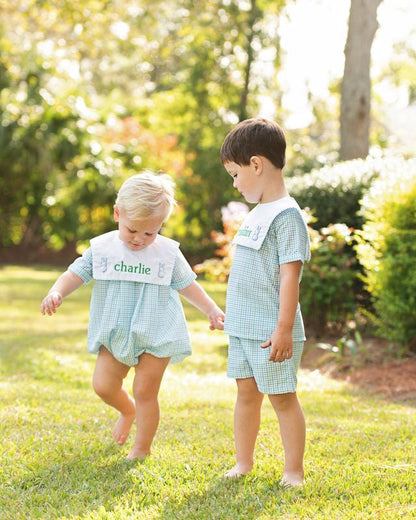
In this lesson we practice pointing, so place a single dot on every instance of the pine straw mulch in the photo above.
(374, 371)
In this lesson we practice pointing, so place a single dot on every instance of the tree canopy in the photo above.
(94, 91)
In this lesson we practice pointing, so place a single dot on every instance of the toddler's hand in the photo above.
(50, 303)
(216, 319)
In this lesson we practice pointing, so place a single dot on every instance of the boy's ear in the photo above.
(116, 213)
(257, 163)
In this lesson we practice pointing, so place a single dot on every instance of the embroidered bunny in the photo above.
(103, 264)
(256, 234)
(161, 273)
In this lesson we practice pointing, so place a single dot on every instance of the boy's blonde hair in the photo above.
(146, 195)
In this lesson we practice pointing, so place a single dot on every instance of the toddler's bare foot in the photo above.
(122, 428)
(238, 471)
(292, 480)
(136, 454)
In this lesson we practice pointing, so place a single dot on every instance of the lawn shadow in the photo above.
(75, 487)
(100, 481)
(81, 485)
(244, 498)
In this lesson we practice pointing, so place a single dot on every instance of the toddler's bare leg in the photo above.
(246, 425)
(108, 384)
(149, 373)
(292, 432)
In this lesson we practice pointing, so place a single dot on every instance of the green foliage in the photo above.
(387, 250)
(37, 141)
(218, 268)
(333, 193)
(61, 163)
(327, 293)
(211, 49)
(180, 70)
(58, 459)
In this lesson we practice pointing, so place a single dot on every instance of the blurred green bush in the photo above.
(387, 251)
(333, 193)
(327, 296)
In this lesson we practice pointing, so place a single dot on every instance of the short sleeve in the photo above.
(291, 235)
(82, 266)
(182, 275)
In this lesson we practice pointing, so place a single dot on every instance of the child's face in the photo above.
(137, 234)
(246, 180)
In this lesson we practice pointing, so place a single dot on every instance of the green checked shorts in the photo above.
(246, 359)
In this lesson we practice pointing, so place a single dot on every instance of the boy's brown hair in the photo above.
(255, 137)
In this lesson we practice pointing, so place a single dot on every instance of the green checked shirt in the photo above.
(252, 305)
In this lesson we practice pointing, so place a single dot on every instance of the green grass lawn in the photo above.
(58, 460)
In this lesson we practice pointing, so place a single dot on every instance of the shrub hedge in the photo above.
(333, 193)
(327, 293)
(387, 251)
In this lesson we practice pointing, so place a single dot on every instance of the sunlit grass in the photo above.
(58, 459)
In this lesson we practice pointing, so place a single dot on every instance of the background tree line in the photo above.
(92, 92)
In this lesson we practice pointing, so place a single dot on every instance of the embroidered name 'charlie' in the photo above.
(112, 260)
(136, 269)
(244, 232)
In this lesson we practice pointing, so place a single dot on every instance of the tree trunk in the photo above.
(255, 14)
(356, 83)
